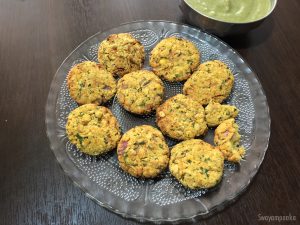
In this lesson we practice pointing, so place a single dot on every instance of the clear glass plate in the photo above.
(162, 199)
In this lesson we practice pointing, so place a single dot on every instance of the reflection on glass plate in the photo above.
(162, 199)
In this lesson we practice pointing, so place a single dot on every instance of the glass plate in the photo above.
(162, 199)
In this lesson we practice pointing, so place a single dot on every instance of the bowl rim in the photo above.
(238, 23)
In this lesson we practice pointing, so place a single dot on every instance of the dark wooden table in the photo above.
(35, 37)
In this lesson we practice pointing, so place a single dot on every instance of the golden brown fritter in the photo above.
(181, 118)
(93, 129)
(227, 139)
(212, 81)
(196, 164)
(143, 152)
(121, 53)
(215, 113)
(174, 59)
(88, 83)
(140, 92)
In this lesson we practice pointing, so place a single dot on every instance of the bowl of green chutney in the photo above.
(227, 17)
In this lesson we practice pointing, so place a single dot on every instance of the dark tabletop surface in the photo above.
(36, 36)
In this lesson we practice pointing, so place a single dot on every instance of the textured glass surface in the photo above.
(163, 198)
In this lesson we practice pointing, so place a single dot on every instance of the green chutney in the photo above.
(236, 11)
